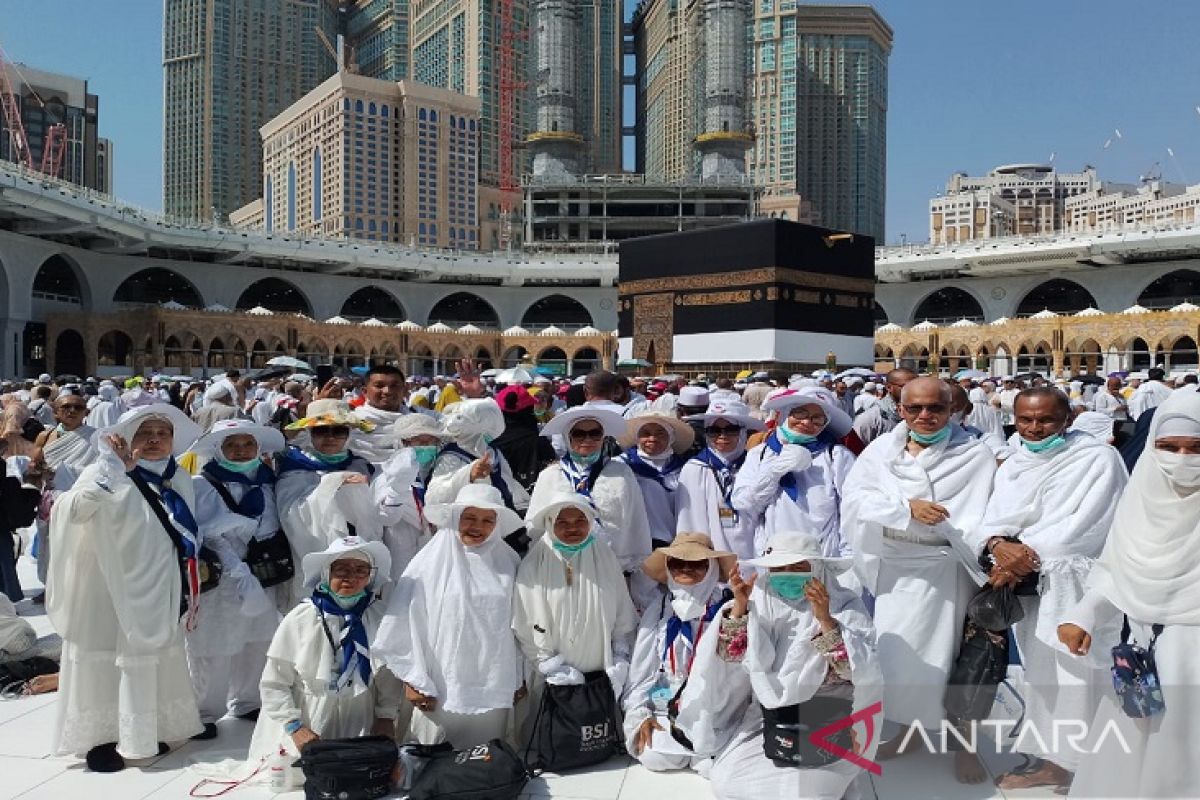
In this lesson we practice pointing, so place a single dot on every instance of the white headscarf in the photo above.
(470, 423)
(448, 631)
(690, 602)
(1150, 567)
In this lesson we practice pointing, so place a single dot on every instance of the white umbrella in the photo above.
(289, 362)
(973, 374)
(514, 375)
(489, 373)
(856, 372)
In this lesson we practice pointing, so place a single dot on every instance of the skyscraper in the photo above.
(229, 67)
(377, 35)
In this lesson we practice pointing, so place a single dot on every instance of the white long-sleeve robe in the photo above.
(663, 502)
(915, 571)
(1061, 504)
(704, 510)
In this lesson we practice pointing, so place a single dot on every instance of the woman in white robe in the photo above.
(665, 651)
(400, 489)
(324, 491)
(1149, 572)
(797, 636)
(468, 457)
(448, 631)
(322, 680)
(794, 479)
(114, 595)
(607, 485)
(708, 479)
(227, 648)
(654, 445)
(572, 614)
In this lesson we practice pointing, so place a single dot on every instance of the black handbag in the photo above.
(361, 768)
(995, 609)
(1135, 675)
(575, 726)
(787, 731)
(981, 666)
(489, 771)
(270, 559)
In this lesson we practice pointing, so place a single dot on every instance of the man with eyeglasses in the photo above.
(884, 415)
(909, 504)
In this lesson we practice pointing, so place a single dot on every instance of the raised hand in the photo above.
(121, 450)
(481, 468)
(741, 592)
(818, 598)
(468, 378)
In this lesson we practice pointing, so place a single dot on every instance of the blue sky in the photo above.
(972, 85)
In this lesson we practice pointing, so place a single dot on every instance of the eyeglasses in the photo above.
(351, 572)
(816, 419)
(916, 409)
(74, 409)
(723, 430)
(331, 432)
(581, 434)
(679, 565)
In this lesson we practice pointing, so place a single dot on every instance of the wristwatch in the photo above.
(292, 726)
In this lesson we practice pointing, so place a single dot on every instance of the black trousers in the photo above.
(10, 585)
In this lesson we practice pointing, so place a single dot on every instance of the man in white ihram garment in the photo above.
(1150, 394)
(1049, 515)
(114, 594)
(909, 501)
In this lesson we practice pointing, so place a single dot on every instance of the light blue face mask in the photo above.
(488, 440)
(789, 585)
(244, 467)
(343, 601)
(585, 461)
(156, 467)
(425, 454)
(792, 437)
(334, 458)
(573, 549)
(930, 438)
(1055, 441)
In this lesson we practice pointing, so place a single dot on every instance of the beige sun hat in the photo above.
(688, 547)
(682, 434)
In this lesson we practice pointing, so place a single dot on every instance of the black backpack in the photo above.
(576, 726)
(489, 771)
(349, 769)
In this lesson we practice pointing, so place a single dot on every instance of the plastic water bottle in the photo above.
(283, 774)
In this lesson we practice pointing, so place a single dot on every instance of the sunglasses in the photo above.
(72, 408)
(916, 409)
(723, 430)
(331, 432)
(582, 434)
(816, 419)
(679, 565)
(350, 572)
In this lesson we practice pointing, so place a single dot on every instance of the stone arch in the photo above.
(216, 353)
(554, 358)
(1060, 295)
(513, 356)
(460, 308)
(586, 359)
(451, 351)
(555, 309)
(276, 294)
(1035, 358)
(114, 349)
(948, 304)
(373, 301)
(158, 285)
(1138, 355)
(1181, 354)
(914, 358)
(421, 360)
(1171, 289)
(69, 356)
(1082, 356)
(483, 357)
(60, 278)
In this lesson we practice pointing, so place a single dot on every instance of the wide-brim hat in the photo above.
(314, 564)
(476, 495)
(183, 430)
(792, 547)
(270, 440)
(839, 421)
(732, 410)
(409, 426)
(688, 547)
(560, 500)
(682, 434)
(613, 424)
(332, 413)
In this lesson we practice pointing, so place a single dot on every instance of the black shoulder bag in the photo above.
(488, 771)
(208, 564)
(1135, 675)
(270, 559)
(575, 726)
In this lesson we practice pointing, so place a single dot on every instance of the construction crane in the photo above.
(509, 85)
(53, 146)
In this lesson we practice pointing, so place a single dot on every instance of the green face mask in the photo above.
(1057, 440)
(426, 454)
(792, 437)
(585, 461)
(343, 601)
(789, 585)
(335, 458)
(572, 549)
(930, 438)
(488, 440)
(244, 467)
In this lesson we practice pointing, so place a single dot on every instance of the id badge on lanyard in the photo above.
(729, 517)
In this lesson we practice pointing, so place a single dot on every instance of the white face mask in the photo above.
(1183, 469)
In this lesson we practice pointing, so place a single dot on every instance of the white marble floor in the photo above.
(27, 772)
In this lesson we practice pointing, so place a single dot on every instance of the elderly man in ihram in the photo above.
(114, 593)
(1045, 526)
(910, 500)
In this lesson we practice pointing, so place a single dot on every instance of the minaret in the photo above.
(554, 143)
(725, 139)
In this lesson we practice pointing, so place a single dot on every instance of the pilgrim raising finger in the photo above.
(122, 451)
(818, 598)
(481, 467)
(741, 592)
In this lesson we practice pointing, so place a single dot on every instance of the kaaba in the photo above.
(768, 294)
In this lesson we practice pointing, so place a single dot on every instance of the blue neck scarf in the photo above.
(677, 626)
(253, 503)
(296, 459)
(578, 476)
(824, 441)
(174, 502)
(355, 653)
(722, 471)
(496, 476)
(644, 469)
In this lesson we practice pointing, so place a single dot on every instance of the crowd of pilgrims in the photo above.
(718, 552)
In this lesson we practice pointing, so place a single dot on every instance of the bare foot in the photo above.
(968, 768)
(1047, 774)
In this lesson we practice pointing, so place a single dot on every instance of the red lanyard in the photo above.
(695, 642)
